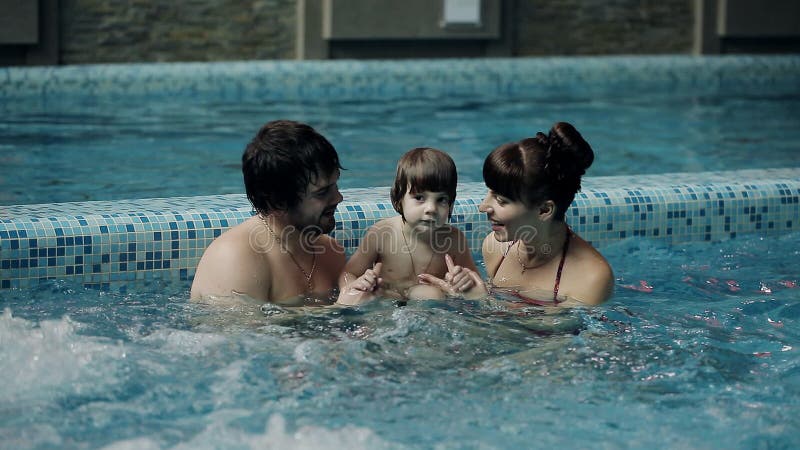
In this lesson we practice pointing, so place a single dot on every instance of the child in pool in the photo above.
(395, 253)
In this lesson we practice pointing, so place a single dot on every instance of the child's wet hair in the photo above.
(424, 169)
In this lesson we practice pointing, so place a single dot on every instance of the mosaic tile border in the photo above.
(365, 80)
(107, 245)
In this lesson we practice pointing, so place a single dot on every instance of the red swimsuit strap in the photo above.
(561, 266)
(558, 274)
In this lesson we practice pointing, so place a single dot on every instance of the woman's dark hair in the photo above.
(424, 169)
(281, 161)
(544, 167)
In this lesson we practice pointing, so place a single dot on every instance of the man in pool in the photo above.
(282, 254)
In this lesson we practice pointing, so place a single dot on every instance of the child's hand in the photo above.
(362, 289)
(369, 281)
(459, 281)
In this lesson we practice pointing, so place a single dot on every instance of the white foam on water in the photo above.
(134, 444)
(229, 384)
(185, 342)
(276, 436)
(32, 436)
(49, 359)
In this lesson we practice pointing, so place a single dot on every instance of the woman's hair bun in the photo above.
(567, 146)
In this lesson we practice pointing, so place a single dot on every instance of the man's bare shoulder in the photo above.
(332, 250)
(231, 264)
(238, 245)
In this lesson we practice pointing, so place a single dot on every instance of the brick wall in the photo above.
(97, 31)
(176, 30)
(595, 27)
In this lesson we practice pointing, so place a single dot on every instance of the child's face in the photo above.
(426, 210)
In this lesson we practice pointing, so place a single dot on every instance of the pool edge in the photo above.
(108, 245)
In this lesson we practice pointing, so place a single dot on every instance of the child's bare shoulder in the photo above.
(382, 233)
(388, 224)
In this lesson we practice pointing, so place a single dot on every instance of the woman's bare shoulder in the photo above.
(596, 275)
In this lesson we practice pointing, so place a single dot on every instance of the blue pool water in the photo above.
(105, 148)
(706, 359)
(697, 349)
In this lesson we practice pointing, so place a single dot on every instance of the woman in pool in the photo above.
(532, 255)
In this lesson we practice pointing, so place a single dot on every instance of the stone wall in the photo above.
(593, 27)
(176, 30)
(98, 31)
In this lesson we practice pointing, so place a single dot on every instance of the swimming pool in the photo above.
(701, 354)
(141, 131)
(696, 349)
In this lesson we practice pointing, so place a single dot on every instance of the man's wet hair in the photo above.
(280, 162)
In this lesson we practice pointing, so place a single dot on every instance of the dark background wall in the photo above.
(176, 30)
(593, 27)
(35, 32)
(217, 30)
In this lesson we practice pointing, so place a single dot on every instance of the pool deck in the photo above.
(108, 244)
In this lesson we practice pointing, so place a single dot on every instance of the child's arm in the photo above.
(361, 275)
